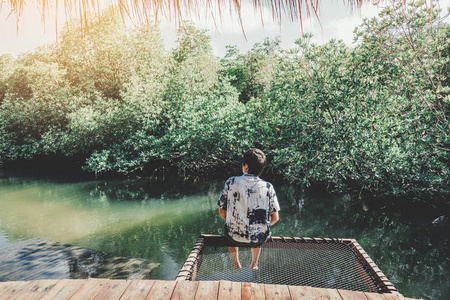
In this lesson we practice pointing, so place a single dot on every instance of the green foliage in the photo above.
(205, 134)
(252, 73)
(192, 68)
(7, 67)
(95, 55)
(371, 118)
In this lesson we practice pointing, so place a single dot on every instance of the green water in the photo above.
(160, 220)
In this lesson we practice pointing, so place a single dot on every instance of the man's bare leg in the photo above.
(255, 256)
(234, 252)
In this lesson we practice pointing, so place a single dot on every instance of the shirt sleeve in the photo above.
(274, 206)
(223, 199)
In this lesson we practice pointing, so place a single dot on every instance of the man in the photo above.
(249, 206)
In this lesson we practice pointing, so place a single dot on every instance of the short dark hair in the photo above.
(256, 161)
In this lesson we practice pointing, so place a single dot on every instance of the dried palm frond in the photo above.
(139, 10)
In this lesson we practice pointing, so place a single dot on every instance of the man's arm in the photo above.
(223, 213)
(273, 218)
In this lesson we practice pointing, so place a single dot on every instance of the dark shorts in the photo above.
(238, 244)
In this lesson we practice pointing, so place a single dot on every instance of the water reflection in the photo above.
(39, 259)
(72, 212)
(159, 220)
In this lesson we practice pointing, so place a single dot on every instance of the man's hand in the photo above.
(223, 213)
(274, 218)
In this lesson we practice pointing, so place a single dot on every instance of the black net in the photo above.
(317, 264)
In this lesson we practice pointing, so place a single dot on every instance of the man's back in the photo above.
(249, 202)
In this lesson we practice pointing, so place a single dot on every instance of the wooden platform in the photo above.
(112, 289)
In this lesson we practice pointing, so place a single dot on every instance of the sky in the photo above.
(337, 20)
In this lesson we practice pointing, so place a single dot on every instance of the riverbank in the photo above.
(66, 169)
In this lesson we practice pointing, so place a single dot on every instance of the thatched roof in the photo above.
(174, 10)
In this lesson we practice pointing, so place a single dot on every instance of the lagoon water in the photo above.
(160, 219)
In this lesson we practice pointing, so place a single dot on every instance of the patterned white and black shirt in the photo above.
(249, 202)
